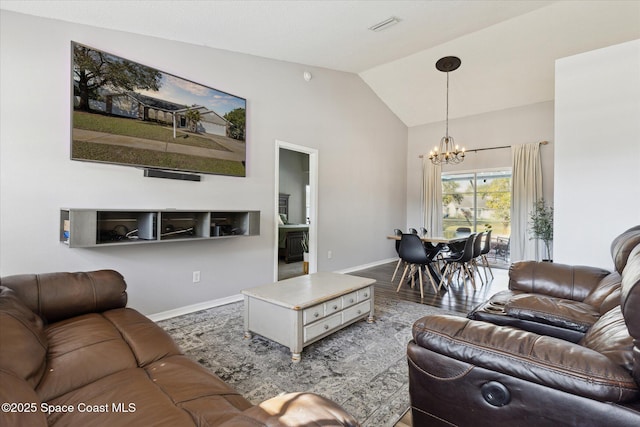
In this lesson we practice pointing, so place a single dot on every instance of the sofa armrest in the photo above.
(58, 296)
(298, 409)
(538, 359)
(553, 279)
(23, 403)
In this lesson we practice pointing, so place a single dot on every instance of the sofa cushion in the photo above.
(610, 336)
(196, 390)
(82, 349)
(147, 341)
(174, 391)
(564, 313)
(22, 339)
(131, 398)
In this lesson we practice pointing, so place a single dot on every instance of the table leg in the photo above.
(295, 357)
(371, 317)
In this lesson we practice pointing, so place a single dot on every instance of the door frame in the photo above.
(313, 209)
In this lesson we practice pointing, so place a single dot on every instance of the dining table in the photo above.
(439, 242)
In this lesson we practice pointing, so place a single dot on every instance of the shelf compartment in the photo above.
(235, 223)
(125, 226)
(184, 225)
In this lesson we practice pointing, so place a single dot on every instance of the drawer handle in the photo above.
(316, 314)
(335, 307)
(359, 311)
(326, 327)
(351, 300)
(366, 295)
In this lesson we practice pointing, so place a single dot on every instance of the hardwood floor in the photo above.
(461, 297)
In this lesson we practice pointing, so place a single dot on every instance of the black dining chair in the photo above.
(414, 254)
(477, 252)
(483, 255)
(398, 233)
(413, 231)
(459, 263)
(423, 232)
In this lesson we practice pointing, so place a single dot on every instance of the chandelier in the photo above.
(447, 152)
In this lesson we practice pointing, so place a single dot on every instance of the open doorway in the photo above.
(295, 210)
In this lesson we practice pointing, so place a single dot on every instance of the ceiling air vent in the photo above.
(384, 24)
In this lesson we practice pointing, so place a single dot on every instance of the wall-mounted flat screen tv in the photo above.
(131, 114)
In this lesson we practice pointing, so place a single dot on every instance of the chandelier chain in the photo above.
(447, 152)
(447, 116)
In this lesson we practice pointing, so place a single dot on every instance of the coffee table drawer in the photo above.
(349, 299)
(356, 311)
(312, 314)
(332, 306)
(364, 294)
(323, 326)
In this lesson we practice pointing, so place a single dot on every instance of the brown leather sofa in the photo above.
(72, 354)
(559, 300)
(466, 372)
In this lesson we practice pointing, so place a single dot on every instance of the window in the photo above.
(476, 199)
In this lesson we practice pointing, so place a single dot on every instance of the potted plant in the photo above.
(305, 252)
(541, 226)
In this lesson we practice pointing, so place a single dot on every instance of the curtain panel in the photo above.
(526, 189)
(432, 197)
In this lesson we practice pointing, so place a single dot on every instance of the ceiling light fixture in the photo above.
(384, 24)
(447, 152)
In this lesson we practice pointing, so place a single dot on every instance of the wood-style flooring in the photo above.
(461, 297)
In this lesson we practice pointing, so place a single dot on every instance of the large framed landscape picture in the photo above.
(131, 114)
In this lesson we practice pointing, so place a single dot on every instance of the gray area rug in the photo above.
(362, 367)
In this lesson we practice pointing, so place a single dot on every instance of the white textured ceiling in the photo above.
(507, 47)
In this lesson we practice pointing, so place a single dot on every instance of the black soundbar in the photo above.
(157, 173)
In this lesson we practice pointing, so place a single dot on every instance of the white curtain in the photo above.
(432, 197)
(525, 191)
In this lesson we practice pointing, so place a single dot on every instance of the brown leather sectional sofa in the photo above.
(561, 347)
(72, 354)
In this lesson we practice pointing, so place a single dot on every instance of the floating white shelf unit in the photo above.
(84, 228)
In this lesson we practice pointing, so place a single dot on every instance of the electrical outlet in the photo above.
(329, 254)
(196, 277)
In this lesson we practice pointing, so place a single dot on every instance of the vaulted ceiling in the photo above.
(508, 48)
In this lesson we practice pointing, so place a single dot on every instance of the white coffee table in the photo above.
(299, 311)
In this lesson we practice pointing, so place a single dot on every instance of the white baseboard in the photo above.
(194, 307)
(365, 266)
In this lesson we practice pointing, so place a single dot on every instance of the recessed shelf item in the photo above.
(106, 227)
(123, 226)
(184, 225)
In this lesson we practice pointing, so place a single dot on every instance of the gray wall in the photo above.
(362, 173)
